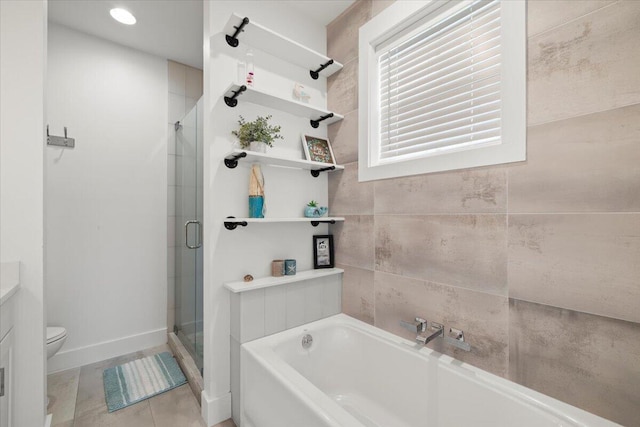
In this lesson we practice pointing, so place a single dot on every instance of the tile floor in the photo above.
(76, 399)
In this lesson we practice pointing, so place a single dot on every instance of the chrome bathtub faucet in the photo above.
(455, 337)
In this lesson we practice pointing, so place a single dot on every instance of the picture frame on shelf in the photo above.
(318, 149)
(323, 251)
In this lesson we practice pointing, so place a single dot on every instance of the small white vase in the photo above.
(258, 147)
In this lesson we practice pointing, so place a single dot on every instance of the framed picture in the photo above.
(323, 251)
(318, 149)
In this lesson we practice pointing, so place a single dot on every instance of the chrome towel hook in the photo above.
(60, 141)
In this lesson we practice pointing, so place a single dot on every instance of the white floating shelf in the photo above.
(266, 40)
(232, 223)
(266, 99)
(267, 282)
(232, 158)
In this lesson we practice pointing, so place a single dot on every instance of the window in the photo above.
(443, 87)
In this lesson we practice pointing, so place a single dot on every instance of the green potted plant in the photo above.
(312, 210)
(256, 135)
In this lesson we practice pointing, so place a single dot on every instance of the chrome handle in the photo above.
(418, 326)
(186, 234)
(456, 339)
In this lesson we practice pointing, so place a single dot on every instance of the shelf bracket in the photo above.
(233, 40)
(316, 123)
(326, 221)
(315, 74)
(231, 101)
(232, 225)
(316, 173)
(232, 162)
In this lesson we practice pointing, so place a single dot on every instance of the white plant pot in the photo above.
(258, 147)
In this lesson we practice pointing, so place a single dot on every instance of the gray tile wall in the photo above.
(539, 261)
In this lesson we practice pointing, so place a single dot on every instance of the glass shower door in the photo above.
(188, 289)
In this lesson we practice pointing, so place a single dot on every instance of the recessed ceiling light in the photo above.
(123, 16)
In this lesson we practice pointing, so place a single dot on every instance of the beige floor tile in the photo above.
(585, 360)
(227, 423)
(137, 415)
(177, 407)
(62, 389)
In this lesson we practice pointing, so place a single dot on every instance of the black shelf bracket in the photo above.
(232, 162)
(233, 40)
(326, 221)
(315, 74)
(232, 225)
(316, 173)
(316, 123)
(231, 101)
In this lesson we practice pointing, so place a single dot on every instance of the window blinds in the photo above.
(440, 90)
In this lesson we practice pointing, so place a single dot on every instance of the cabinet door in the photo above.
(6, 363)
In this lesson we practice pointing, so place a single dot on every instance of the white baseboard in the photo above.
(47, 421)
(215, 410)
(73, 358)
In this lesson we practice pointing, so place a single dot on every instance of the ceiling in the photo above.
(167, 28)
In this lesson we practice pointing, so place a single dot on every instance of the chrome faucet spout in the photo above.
(438, 332)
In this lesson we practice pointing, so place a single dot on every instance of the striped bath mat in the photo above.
(141, 379)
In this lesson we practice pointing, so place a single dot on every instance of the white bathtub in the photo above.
(357, 375)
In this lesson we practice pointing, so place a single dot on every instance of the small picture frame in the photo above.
(318, 149)
(323, 252)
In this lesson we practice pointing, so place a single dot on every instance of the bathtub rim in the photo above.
(263, 351)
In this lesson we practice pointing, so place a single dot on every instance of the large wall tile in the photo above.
(353, 240)
(467, 191)
(357, 293)
(468, 251)
(543, 15)
(583, 262)
(342, 89)
(342, 32)
(588, 65)
(344, 138)
(347, 196)
(483, 317)
(585, 360)
(585, 164)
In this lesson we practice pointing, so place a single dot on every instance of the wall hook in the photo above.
(60, 141)
(233, 40)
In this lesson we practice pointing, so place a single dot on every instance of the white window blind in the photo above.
(440, 90)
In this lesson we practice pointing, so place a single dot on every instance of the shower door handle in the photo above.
(186, 234)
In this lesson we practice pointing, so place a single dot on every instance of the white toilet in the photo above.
(56, 336)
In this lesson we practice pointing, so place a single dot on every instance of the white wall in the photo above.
(23, 32)
(229, 255)
(106, 199)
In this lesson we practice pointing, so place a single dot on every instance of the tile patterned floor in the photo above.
(76, 399)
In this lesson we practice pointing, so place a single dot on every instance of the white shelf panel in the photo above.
(267, 282)
(266, 40)
(269, 159)
(297, 108)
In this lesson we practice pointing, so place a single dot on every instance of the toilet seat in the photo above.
(55, 333)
